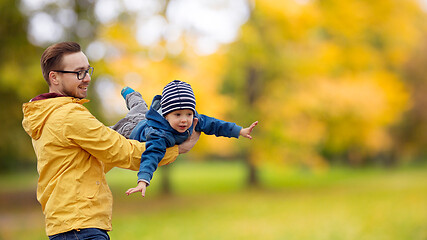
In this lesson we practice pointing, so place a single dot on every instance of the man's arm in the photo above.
(171, 152)
(191, 141)
(105, 144)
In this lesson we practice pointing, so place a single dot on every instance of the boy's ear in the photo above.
(195, 121)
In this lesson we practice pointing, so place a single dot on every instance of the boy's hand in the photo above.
(246, 132)
(142, 186)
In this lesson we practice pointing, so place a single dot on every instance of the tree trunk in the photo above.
(166, 181)
(253, 179)
(252, 89)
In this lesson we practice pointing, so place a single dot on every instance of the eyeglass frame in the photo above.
(78, 72)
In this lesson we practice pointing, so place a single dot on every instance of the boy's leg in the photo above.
(137, 110)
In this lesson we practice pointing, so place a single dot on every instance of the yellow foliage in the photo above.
(356, 109)
(328, 77)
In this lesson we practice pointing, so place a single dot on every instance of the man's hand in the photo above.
(246, 132)
(142, 186)
(191, 141)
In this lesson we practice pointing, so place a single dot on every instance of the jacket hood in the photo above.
(37, 112)
(154, 115)
(156, 120)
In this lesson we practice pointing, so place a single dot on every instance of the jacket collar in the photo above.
(46, 96)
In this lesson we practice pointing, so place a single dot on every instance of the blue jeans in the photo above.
(82, 234)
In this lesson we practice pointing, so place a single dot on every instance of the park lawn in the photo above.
(210, 201)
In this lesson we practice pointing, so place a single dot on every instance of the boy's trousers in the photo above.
(137, 110)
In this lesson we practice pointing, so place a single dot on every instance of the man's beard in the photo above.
(72, 94)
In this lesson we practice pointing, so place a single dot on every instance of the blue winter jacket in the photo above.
(159, 135)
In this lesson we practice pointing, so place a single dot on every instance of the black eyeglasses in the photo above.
(80, 74)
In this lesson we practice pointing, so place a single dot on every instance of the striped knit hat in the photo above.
(177, 95)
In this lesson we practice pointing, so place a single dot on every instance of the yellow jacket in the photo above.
(74, 151)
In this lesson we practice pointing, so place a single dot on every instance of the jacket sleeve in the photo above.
(155, 150)
(137, 132)
(103, 143)
(220, 128)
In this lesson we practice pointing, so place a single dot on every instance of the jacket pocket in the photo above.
(90, 181)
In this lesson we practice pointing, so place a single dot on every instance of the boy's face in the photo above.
(180, 120)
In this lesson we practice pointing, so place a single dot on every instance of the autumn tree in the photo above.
(28, 27)
(409, 135)
(323, 78)
(18, 66)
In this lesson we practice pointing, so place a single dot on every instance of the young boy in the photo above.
(169, 122)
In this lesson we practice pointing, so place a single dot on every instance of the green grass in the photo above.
(210, 201)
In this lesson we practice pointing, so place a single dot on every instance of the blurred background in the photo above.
(338, 87)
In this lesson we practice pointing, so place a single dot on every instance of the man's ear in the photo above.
(53, 78)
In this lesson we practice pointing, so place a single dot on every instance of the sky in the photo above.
(213, 22)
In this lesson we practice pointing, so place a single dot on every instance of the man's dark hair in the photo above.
(52, 57)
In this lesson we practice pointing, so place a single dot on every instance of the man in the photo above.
(74, 150)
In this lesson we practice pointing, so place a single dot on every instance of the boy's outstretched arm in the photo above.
(246, 132)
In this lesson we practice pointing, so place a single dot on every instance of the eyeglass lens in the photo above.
(82, 73)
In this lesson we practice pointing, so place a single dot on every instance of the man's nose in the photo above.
(87, 78)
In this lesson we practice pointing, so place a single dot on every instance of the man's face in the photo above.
(67, 83)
